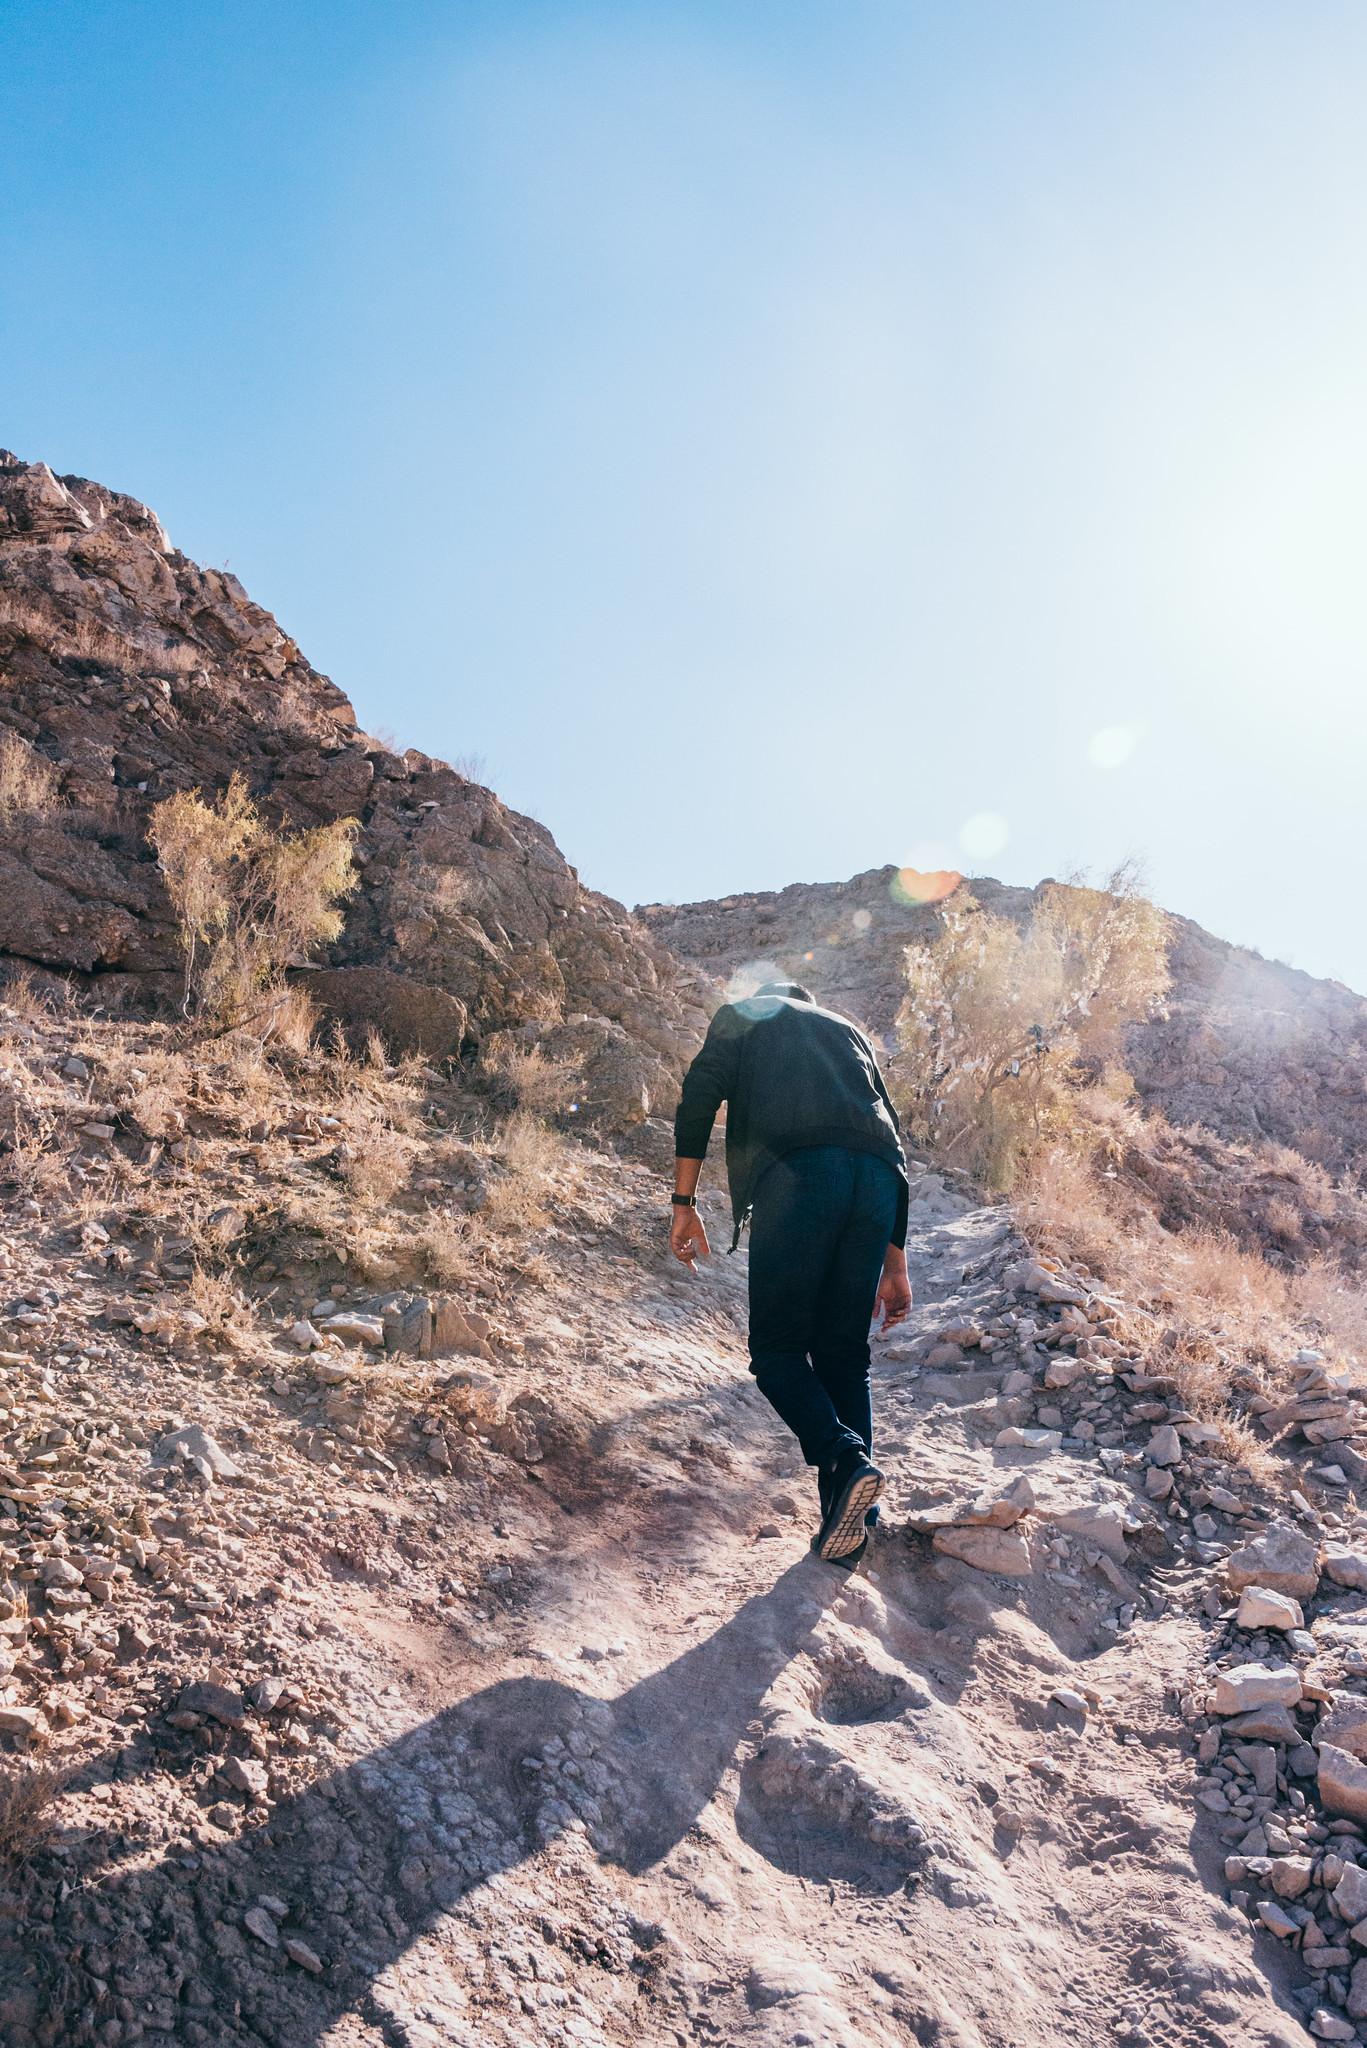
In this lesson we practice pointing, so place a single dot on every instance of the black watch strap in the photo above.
(684, 1201)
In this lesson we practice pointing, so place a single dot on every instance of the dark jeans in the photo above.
(821, 1225)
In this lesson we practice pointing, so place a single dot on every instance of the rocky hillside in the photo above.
(409, 1634)
(1245, 1047)
(411, 1640)
(132, 672)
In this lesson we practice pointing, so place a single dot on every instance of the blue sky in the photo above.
(777, 439)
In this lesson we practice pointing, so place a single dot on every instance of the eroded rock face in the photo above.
(136, 673)
(1243, 1046)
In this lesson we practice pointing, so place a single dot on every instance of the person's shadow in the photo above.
(369, 1859)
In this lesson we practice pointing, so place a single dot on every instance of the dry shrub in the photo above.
(1201, 1308)
(1281, 1220)
(250, 902)
(28, 781)
(450, 1247)
(28, 1796)
(227, 1315)
(377, 1164)
(1000, 1024)
(158, 1097)
(25, 1001)
(1212, 1278)
(528, 1076)
(294, 1021)
(39, 1161)
(1333, 1306)
(528, 1152)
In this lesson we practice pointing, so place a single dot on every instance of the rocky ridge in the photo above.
(1245, 1047)
(132, 672)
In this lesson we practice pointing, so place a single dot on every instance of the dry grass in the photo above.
(1201, 1308)
(293, 1021)
(41, 1162)
(227, 1314)
(23, 999)
(1332, 1305)
(377, 1164)
(28, 1797)
(527, 1078)
(29, 784)
(528, 1153)
(451, 1247)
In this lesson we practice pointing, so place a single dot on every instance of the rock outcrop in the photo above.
(1246, 1047)
(132, 672)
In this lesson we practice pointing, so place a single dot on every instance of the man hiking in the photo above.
(815, 1165)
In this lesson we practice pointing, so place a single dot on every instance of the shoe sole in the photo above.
(848, 1532)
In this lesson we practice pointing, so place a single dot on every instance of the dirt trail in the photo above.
(691, 1785)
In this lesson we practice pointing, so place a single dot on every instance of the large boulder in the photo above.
(986, 1548)
(1282, 1559)
(1248, 1686)
(411, 1016)
(1342, 1781)
(1344, 1726)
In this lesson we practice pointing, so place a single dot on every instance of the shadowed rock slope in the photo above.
(132, 672)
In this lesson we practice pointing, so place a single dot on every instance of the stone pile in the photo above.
(1325, 1411)
(1282, 1756)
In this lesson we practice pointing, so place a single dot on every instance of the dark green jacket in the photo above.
(791, 1075)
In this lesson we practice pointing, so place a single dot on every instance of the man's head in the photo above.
(792, 989)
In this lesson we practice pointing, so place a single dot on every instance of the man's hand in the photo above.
(893, 1301)
(688, 1236)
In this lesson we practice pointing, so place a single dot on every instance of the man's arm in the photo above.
(687, 1231)
(707, 1084)
(894, 1289)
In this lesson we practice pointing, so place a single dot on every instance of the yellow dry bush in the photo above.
(293, 1020)
(450, 1247)
(1332, 1304)
(25, 1001)
(1001, 1023)
(534, 1081)
(528, 1152)
(250, 902)
(376, 1173)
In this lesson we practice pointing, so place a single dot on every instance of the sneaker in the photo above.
(856, 1486)
(851, 1557)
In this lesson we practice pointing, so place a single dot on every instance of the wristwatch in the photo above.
(684, 1201)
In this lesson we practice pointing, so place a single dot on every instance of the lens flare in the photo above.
(861, 920)
(753, 974)
(919, 885)
(984, 834)
(1112, 745)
